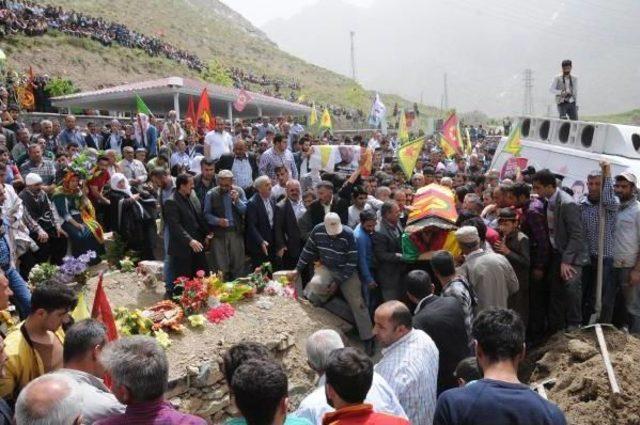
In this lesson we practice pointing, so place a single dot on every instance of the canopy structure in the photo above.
(164, 94)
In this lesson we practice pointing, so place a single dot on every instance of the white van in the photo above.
(574, 148)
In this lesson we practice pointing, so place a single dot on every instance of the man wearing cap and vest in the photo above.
(626, 247)
(334, 247)
(224, 210)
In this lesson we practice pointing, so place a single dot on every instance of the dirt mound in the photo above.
(582, 388)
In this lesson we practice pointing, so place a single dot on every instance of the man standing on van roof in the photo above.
(565, 88)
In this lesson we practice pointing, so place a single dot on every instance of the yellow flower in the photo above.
(163, 339)
(196, 320)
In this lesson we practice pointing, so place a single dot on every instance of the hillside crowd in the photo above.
(518, 265)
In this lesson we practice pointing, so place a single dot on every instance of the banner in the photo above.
(325, 120)
(433, 201)
(313, 118)
(408, 155)
(242, 100)
(327, 157)
(512, 167)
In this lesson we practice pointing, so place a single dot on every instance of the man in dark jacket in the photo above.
(187, 229)
(442, 319)
(288, 240)
(329, 202)
(243, 164)
(260, 237)
(387, 252)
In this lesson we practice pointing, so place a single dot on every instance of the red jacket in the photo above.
(361, 414)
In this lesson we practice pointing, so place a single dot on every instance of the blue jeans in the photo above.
(21, 293)
(167, 269)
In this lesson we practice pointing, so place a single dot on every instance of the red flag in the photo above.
(191, 111)
(242, 100)
(204, 110)
(102, 311)
(449, 141)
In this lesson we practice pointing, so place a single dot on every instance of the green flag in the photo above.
(142, 107)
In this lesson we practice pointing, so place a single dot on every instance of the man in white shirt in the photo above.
(409, 361)
(133, 170)
(319, 346)
(180, 156)
(217, 142)
(360, 198)
(280, 188)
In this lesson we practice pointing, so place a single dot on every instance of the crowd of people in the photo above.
(31, 18)
(518, 265)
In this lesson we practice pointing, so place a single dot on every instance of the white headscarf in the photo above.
(116, 178)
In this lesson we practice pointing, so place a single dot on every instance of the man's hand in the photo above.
(281, 251)
(488, 210)
(196, 246)
(634, 277)
(567, 271)
(501, 248)
(223, 222)
(605, 166)
(43, 237)
(537, 274)
(62, 233)
(265, 248)
(234, 195)
(136, 196)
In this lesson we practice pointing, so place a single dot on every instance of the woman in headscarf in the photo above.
(79, 217)
(133, 216)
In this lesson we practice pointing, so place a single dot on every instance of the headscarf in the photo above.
(65, 187)
(116, 178)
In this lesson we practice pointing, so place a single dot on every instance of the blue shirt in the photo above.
(212, 219)
(498, 403)
(365, 254)
(67, 136)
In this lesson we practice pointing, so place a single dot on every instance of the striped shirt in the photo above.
(271, 159)
(591, 219)
(410, 366)
(337, 253)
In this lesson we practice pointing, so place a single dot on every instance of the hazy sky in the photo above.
(260, 12)
(406, 46)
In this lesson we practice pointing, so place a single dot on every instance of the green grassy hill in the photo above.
(629, 118)
(206, 27)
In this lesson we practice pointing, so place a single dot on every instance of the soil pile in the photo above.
(582, 388)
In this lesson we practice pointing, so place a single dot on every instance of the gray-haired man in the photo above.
(319, 346)
(83, 343)
(51, 399)
(139, 369)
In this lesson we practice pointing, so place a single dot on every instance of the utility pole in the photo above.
(445, 96)
(353, 56)
(527, 107)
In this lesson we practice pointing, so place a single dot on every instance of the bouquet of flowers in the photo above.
(194, 293)
(74, 269)
(42, 273)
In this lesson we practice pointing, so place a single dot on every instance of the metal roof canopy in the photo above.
(164, 94)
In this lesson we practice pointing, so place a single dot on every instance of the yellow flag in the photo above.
(325, 120)
(325, 154)
(403, 132)
(313, 118)
(408, 154)
(469, 144)
(514, 145)
(81, 311)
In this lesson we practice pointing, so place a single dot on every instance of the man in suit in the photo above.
(387, 251)
(442, 318)
(243, 164)
(224, 209)
(10, 138)
(187, 229)
(93, 139)
(288, 241)
(261, 210)
(329, 202)
(569, 253)
(113, 139)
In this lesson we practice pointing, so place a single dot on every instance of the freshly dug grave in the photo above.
(196, 382)
(582, 388)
